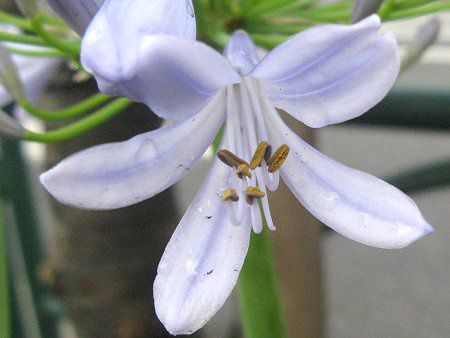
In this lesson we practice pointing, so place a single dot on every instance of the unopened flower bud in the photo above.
(424, 37)
(9, 76)
(364, 8)
(76, 13)
(10, 128)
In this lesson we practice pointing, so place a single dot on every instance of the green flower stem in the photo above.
(15, 20)
(77, 109)
(72, 49)
(283, 29)
(269, 6)
(268, 41)
(81, 126)
(21, 38)
(318, 16)
(259, 299)
(412, 3)
(418, 11)
(36, 53)
(55, 22)
(5, 330)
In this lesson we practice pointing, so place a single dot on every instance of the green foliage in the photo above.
(270, 22)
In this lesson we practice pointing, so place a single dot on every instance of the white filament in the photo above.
(246, 129)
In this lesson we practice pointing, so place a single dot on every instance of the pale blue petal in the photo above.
(77, 13)
(119, 174)
(113, 42)
(241, 52)
(355, 204)
(330, 74)
(174, 77)
(202, 261)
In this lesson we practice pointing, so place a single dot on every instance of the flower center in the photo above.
(247, 134)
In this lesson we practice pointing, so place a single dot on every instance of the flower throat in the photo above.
(247, 134)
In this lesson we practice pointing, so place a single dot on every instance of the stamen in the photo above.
(277, 160)
(261, 153)
(230, 195)
(256, 219)
(243, 170)
(230, 159)
(252, 193)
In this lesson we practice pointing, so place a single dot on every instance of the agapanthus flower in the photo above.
(322, 76)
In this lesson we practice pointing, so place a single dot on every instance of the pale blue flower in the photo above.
(325, 75)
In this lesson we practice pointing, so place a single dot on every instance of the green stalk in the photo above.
(268, 41)
(21, 38)
(269, 6)
(5, 329)
(71, 49)
(15, 20)
(73, 111)
(81, 126)
(259, 299)
(35, 53)
(419, 11)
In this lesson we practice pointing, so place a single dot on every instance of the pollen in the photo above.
(252, 193)
(243, 170)
(230, 159)
(230, 195)
(262, 152)
(277, 160)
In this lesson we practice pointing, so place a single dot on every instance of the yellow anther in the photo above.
(277, 160)
(230, 195)
(262, 152)
(230, 159)
(243, 170)
(252, 193)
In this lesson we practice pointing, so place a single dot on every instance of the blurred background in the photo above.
(98, 267)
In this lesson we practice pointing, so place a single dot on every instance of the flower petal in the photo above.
(202, 261)
(140, 49)
(174, 77)
(241, 52)
(355, 204)
(115, 175)
(332, 73)
(77, 13)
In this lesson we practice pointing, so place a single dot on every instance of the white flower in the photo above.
(325, 75)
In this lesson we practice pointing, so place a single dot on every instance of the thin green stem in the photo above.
(269, 6)
(268, 41)
(73, 111)
(418, 11)
(15, 20)
(35, 53)
(259, 299)
(412, 3)
(21, 38)
(81, 126)
(70, 48)
(5, 330)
